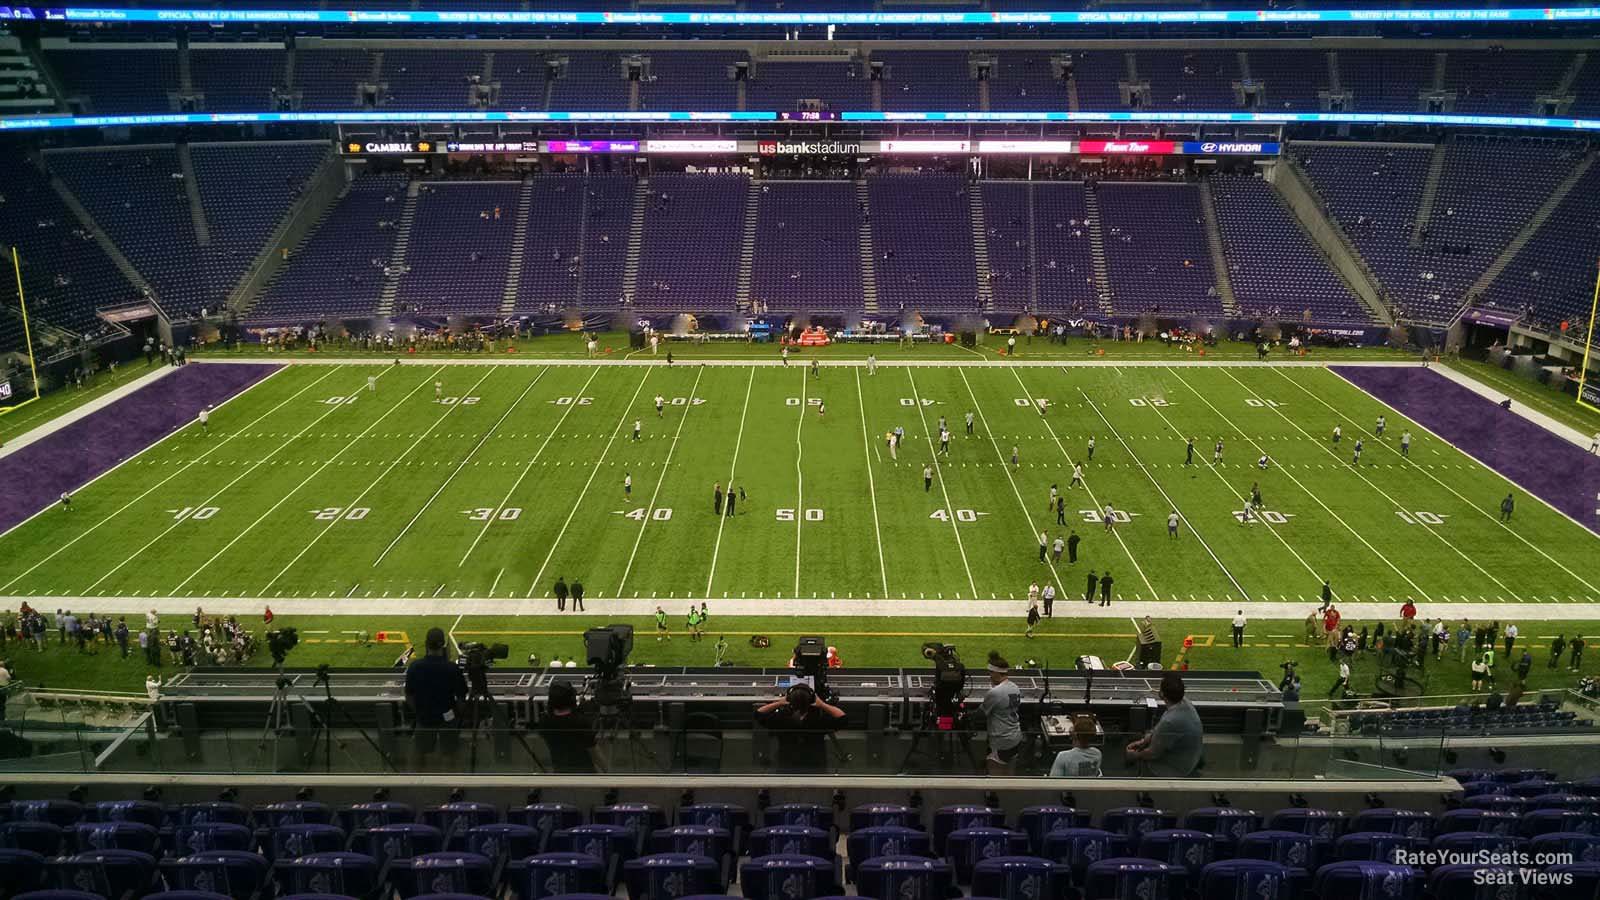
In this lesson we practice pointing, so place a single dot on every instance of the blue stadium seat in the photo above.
(791, 840)
(1479, 788)
(1513, 776)
(39, 837)
(186, 895)
(1462, 880)
(1547, 821)
(1290, 848)
(1498, 803)
(876, 815)
(1368, 881)
(668, 876)
(957, 817)
(212, 812)
(1480, 820)
(89, 836)
(64, 813)
(1582, 847)
(290, 841)
(1474, 841)
(884, 840)
(613, 845)
(1534, 787)
(1325, 824)
(730, 817)
(1258, 879)
(1038, 821)
(20, 870)
(344, 874)
(1180, 846)
(1226, 823)
(1584, 882)
(1375, 846)
(454, 820)
(814, 815)
(1573, 802)
(393, 844)
(451, 897)
(451, 872)
(914, 877)
(234, 873)
(110, 873)
(1409, 822)
(966, 847)
(555, 874)
(142, 811)
(1021, 876)
(362, 816)
(292, 812)
(787, 877)
(697, 840)
(1134, 879)
(1079, 847)
(187, 839)
(503, 842)
(545, 819)
(640, 818)
(1133, 821)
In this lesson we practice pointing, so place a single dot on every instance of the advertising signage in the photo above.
(591, 146)
(491, 147)
(781, 147)
(387, 148)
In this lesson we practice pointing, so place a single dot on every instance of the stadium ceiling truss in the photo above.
(1420, 15)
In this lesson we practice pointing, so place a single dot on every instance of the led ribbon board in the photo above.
(41, 123)
(629, 17)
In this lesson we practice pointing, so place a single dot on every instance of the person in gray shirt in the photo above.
(1083, 760)
(1001, 707)
(1173, 748)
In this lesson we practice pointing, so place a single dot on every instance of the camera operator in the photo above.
(801, 722)
(1001, 707)
(568, 731)
(435, 688)
(1175, 747)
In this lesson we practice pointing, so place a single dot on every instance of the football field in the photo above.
(460, 482)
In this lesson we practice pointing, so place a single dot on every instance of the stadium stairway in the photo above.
(191, 188)
(519, 243)
(630, 266)
(747, 246)
(869, 276)
(1219, 258)
(1430, 190)
(105, 243)
(397, 256)
(980, 251)
(1297, 193)
(1097, 249)
(1530, 228)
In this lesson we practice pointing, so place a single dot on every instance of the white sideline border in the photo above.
(1559, 429)
(831, 364)
(51, 426)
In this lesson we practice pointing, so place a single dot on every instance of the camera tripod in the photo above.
(478, 697)
(611, 719)
(323, 723)
(278, 713)
(943, 745)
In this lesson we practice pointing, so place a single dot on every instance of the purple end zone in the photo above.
(1557, 471)
(35, 476)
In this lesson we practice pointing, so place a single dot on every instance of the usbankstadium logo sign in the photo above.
(807, 148)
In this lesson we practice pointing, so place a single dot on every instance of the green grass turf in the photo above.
(1552, 402)
(518, 479)
(27, 416)
(861, 642)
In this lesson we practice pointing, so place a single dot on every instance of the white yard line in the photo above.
(213, 496)
(1099, 507)
(584, 494)
(1017, 492)
(949, 509)
(374, 483)
(1385, 494)
(461, 465)
(656, 492)
(872, 487)
(1173, 504)
(1406, 460)
(733, 469)
(528, 467)
(157, 486)
(1307, 491)
(799, 479)
(284, 498)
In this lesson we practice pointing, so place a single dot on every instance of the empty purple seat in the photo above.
(730, 817)
(233, 873)
(1410, 822)
(290, 841)
(791, 840)
(1476, 841)
(954, 818)
(694, 840)
(1547, 821)
(1467, 882)
(1326, 824)
(1227, 823)
(1571, 802)
(64, 813)
(503, 842)
(1481, 820)
(187, 839)
(906, 876)
(447, 873)
(454, 820)
(1368, 881)
(876, 815)
(142, 811)
(1582, 847)
(640, 818)
(389, 844)
(1180, 846)
(1133, 821)
(89, 836)
(293, 812)
(1375, 846)
(787, 877)
(885, 840)
(21, 870)
(1135, 879)
(212, 812)
(110, 873)
(1291, 848)
(1583, 880)
(361, 816)
(672, 875)
(1038, 821)
(344, 874)
(554, 874)
(1498, 803)
(1020, 876)
(37, 837)
(1078, 847)
(1535, 787)
(1256, 878)
(813, 815)
(613, 845)
(545, 818)
(964, 848)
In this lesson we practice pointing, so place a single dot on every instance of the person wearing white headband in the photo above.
(1001, 707)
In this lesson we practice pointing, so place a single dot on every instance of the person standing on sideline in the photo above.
(1056, 548)
(1089, 588)
(438, 392)
(1576, 647)
(872, 364)
(1033, 614)
(1238, 629)
(731, 496)
(1511, 638)
(1172, 525)
(561, 594)
(1188, 452)
(1090, 449)
(1048, 595)
(1044, 546)
(969, 423)
(1463, 635)
(577, 596)
(1556, 646)
(1507, 506)
(716, 499)
(1061, 510)
(1405, 444)
(1072, 547)
(1106, 581)
(661, 624)
(927, 478)
(784, 354)
(638, 426)
(1342, 682)
(1327, 596)
(816, 369)
(205, 419)
(372, 384)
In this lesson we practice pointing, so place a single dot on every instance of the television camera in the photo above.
(811, 661)
(607, 650)
(476, 659)
(280, 642)
(949, 689)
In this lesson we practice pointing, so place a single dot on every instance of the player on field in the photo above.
(1044, 546)
(1507, 506)
(1255, 496)
(1188, 452)
(1033, 611)
(1044, 404)
(816, 368)
(1355, 458)
(637, 427)
(1056, 548)
(205, 419)
(1077, 476)
(1110, 517)
(1594, 445)
(372, 383)
(944, 441)
(894, 445)
(1172, 525)
(1016, 456)
(716, 499)
(927, 478)
(1054, 495)
(661, 624)
(1091, 447)
(1216, 453)
(1061, 510)
(1263, 462)
(627, 487)
(872, 364)
(822, 408)
(1244, 515)
(66, 501)
(1383, 423)
(661, 402)
(785, 355)
(942, 425)
(1338, 433)
(438, 392)
(1405, 444)
(969, 425)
